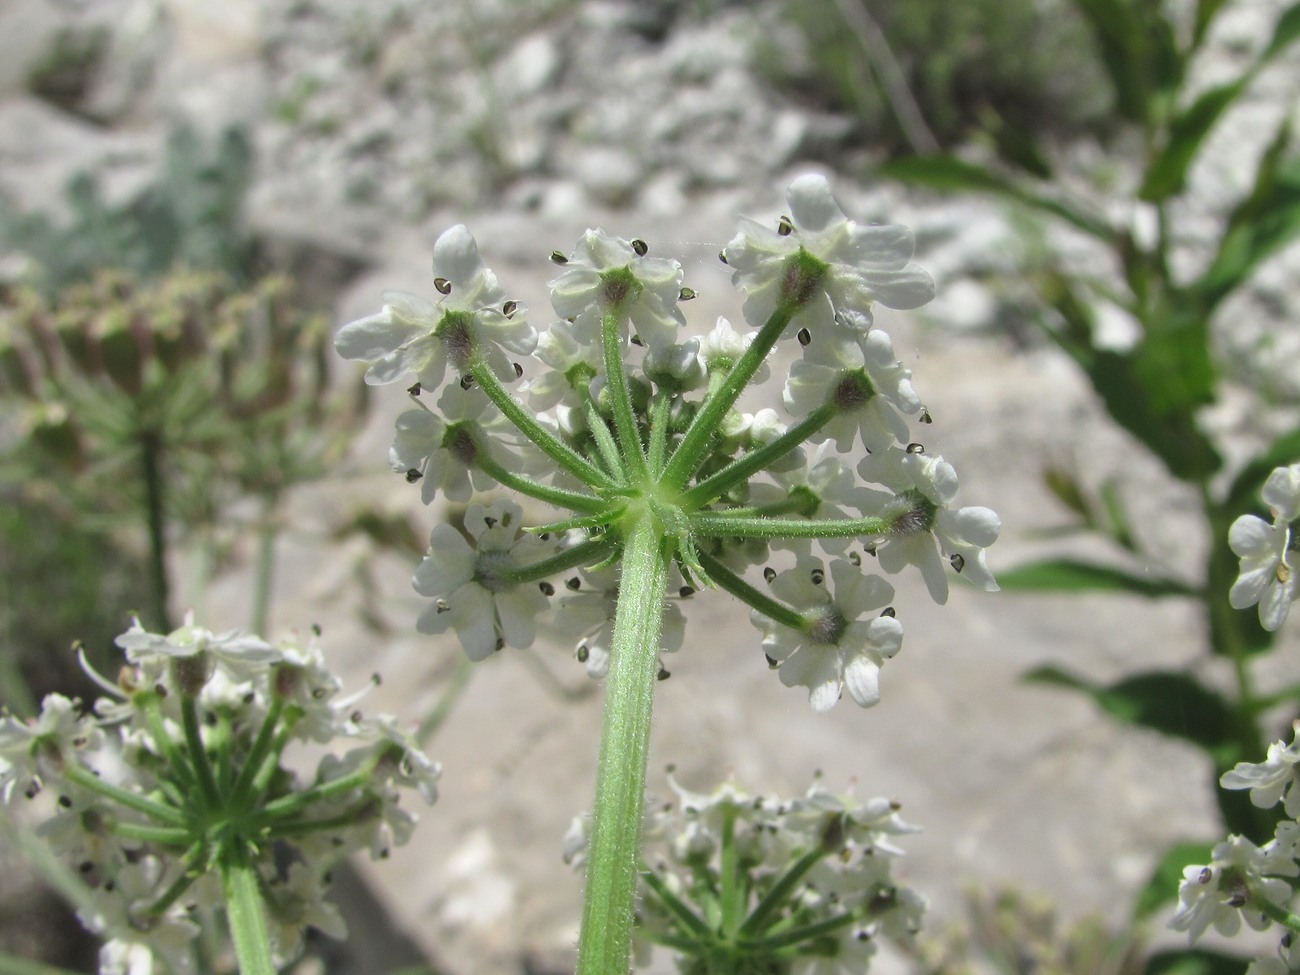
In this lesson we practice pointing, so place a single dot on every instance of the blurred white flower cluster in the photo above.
(796, 886)
(1248, 883)
(179, 766)
(614, 411)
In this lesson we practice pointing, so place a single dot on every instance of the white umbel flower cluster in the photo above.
(180, 763)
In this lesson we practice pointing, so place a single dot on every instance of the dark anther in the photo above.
(318, 694)
(489, 521)
(856, 559)
(509, 308)
(889, 611)
(870, 550)
(574, 583)
(817, 576)
(925, 416)
(65, 802)
(958, 561)
(501, 643)
(558, 258)
(772, 662)
(441, 606)
(769, 573)
(414, 390)
(722, 256)
(315, 629)
(640, 246)
(915, 448)
(467, 381)
(376, 679)
(785, 228)
(636, 340)
(442, 285)
(686, 294)
(663, 673)
(582, 653)
(686, 592)
(519, 370)
(546, 588)
(413, 475)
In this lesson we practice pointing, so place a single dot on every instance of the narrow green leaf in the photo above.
(1162, 887)
(1171, 703)
(1193, 961)
(1067, 575)
(1119, 37)
(1166, 176)
(949, 173)
(1285, 33)
(1206, 11)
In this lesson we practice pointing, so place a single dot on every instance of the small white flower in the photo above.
(677, 368)
(836, 648)
(585, 291)
(412, 335)
(924, 522)
(573, 364)
(869, 396)
(470, 586)
(1270, 565)
(1272, 780)
(32, 752)
(238, 652)
(1219, 895)
(723, 346)
(865, 263)
(421, 444)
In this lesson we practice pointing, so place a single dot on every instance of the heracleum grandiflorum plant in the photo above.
(628, 425)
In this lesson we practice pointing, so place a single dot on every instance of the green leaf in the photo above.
(949, 173)
(1171, 703)
(1260, 225)
(1285, 33)
(1206, 11)
(1162, 888)
(1167, 173)
(1118, 32)
(1067, 575)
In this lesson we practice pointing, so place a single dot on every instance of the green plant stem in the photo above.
(725, 524)
(690, 453)
(606, 938)
(620, 397)
(142, 804)
(780, 892)
(198, 753)
(244, 911)
(446, 701)
(747, 594)
(561, 498)
(751, 463)
(155, 502)
(547, 442)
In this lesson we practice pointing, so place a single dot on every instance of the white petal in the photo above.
(811, 204)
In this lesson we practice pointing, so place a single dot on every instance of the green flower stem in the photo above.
(723, 524)
(605, 443)
(779, 893)
(620, 397)
(123, 797)
(265, 772)
(188, 873)
(573, 500)
(606, 937)
(450, 695)
(526, 423)
(746, 593)
(244, 910)
(297, 801)
(1275, 912)
(659, 421)
(742, 468)
(690, 453)
(162, 739)
(793, 937)
(676, 907)
(733, 895)
(256, 754)
(301, 827)
(584, 553)
(198, 753)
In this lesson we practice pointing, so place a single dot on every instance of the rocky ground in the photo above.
(378, 125)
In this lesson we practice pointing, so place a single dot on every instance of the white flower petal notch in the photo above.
(863, 263)
(471, 320)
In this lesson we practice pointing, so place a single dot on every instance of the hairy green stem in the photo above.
(747, 594)
(606, 937)
(155, 502)
(620, 397)
(244, 910)
(725, 524)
